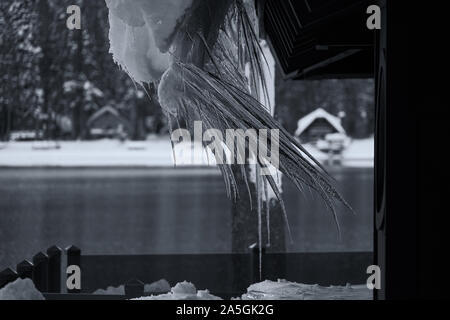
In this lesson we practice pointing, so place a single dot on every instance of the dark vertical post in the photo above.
(257, 264)
(380, 152)
(396, 222)
(54, 269)
(7, 276)
(25, 269)
(40, 271)
(134, 289)
(73, 259)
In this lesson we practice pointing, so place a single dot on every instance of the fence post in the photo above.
(54, 269)
(73, 259)
(25, 269)
(134, 289)
(40, 272)
(7, 276)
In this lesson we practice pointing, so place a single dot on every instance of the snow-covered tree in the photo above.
(20, 92)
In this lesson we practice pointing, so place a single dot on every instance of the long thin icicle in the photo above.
(266, 191)
(259, 196)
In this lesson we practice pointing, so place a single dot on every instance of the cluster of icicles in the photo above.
(206, 58)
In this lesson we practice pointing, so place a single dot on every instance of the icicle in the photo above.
(266, 192)
(169, 123)
(259, 195)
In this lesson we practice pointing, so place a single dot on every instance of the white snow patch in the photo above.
(102, 153)
(360, 153)
(21, 289)
(156, 152)
(285, 290)
(156, 287)
(183, 291)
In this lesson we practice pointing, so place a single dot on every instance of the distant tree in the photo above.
(52, 75)
(20, 94)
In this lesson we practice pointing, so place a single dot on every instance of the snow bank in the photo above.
(183, 291)
(360, 153)
(156, 287)
(140, 32)
(153, 153)
(285, 290)
(21, 289)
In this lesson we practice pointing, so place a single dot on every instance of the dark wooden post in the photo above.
(25, 269)
(396, 227)
(54, 269)
(134, 289)
(7, 276)
(73, 259)
(40, 271)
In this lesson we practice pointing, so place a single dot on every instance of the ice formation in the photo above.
(140, 33)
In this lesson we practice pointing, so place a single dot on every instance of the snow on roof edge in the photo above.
(307, 120)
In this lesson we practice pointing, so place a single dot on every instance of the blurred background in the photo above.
(86, 159)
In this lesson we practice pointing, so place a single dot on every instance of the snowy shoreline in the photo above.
(154, 153)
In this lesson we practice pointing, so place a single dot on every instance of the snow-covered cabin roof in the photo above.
(319, 113)
(104, 110)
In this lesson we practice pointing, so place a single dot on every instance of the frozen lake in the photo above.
(131, 211)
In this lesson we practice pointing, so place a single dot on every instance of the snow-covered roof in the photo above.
(104, 110)
(319, 113)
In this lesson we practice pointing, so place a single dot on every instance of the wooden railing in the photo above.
(225, 275)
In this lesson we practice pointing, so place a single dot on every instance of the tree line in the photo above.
(53, 79)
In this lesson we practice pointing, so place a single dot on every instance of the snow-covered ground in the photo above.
(266, 290)
(156, 152)
(285, 290)
(271, 290)
(359, 153)
(21, 289)
(183, 291)
(155, 287)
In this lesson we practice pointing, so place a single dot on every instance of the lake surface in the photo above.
(144, 211)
